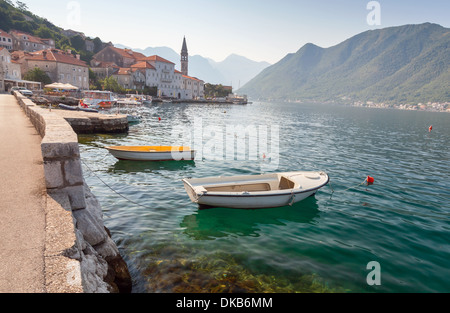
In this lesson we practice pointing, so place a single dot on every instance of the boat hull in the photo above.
(208, 197)
(77, 108)
(121, 153)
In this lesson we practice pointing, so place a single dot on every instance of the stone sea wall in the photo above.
(80, 256)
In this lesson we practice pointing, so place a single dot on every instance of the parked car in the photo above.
(14, 89)
(22, 90)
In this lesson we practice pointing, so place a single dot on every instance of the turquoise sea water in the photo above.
(322, 244)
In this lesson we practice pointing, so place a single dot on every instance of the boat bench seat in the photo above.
(286, 183)
(241, 188)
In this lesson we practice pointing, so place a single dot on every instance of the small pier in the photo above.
(92, 123)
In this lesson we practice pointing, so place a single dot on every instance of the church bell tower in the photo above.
(184, 58)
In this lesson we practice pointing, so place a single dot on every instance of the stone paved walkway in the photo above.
(22, 202)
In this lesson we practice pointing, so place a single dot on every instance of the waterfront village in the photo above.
(21, 53)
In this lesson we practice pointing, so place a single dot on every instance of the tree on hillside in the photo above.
(98, 44)
(44, 32)
(22, 6)
(78, 43)
(38, 75)
(111, 84)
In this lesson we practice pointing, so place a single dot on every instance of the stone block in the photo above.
(53, 174)
(76, 197)
(59, 149)
(73, 172)
(60, 231)
(61, 197)
(93, 232)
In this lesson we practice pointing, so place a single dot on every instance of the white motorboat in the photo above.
(255, 191)
(152, 153)
(95, 99)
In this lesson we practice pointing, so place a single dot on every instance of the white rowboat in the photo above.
(255, 191)
(152, 153)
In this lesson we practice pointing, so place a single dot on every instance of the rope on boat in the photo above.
(147, 207)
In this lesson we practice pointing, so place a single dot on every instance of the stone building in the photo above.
(193, 87)
(10, 73)
(124, 58)
(184, 58)
(135, 71)
(26, 42)
(60, 66)
(6, 40)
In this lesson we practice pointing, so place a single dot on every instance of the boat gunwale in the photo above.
(271, 193)
(122, 149)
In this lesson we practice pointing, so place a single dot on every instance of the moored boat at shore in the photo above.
(76, 108)
(152, 153)
(255, 191)
(95, 99)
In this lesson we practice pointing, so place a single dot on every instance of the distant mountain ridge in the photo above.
(401, 64)
(234, 70)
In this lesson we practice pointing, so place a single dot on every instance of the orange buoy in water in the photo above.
(370, 180)
(430, 128)
(159, 118)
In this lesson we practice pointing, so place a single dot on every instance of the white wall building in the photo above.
(9, 71)
(5, 40)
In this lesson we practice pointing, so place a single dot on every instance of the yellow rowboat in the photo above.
(152, 153)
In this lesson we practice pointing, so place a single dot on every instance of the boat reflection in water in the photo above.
(222, 222)
(126, 166)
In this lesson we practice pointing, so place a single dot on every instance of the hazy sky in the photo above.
(262, 30)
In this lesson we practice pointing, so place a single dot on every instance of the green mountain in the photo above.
(405, 64)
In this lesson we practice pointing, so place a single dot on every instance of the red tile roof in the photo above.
(55, 55)
(4, 34)
(143, 64)
(124, 71)
(193, 78)
(31, 38)
(107, 65)
(157, 58)
(127, 53)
